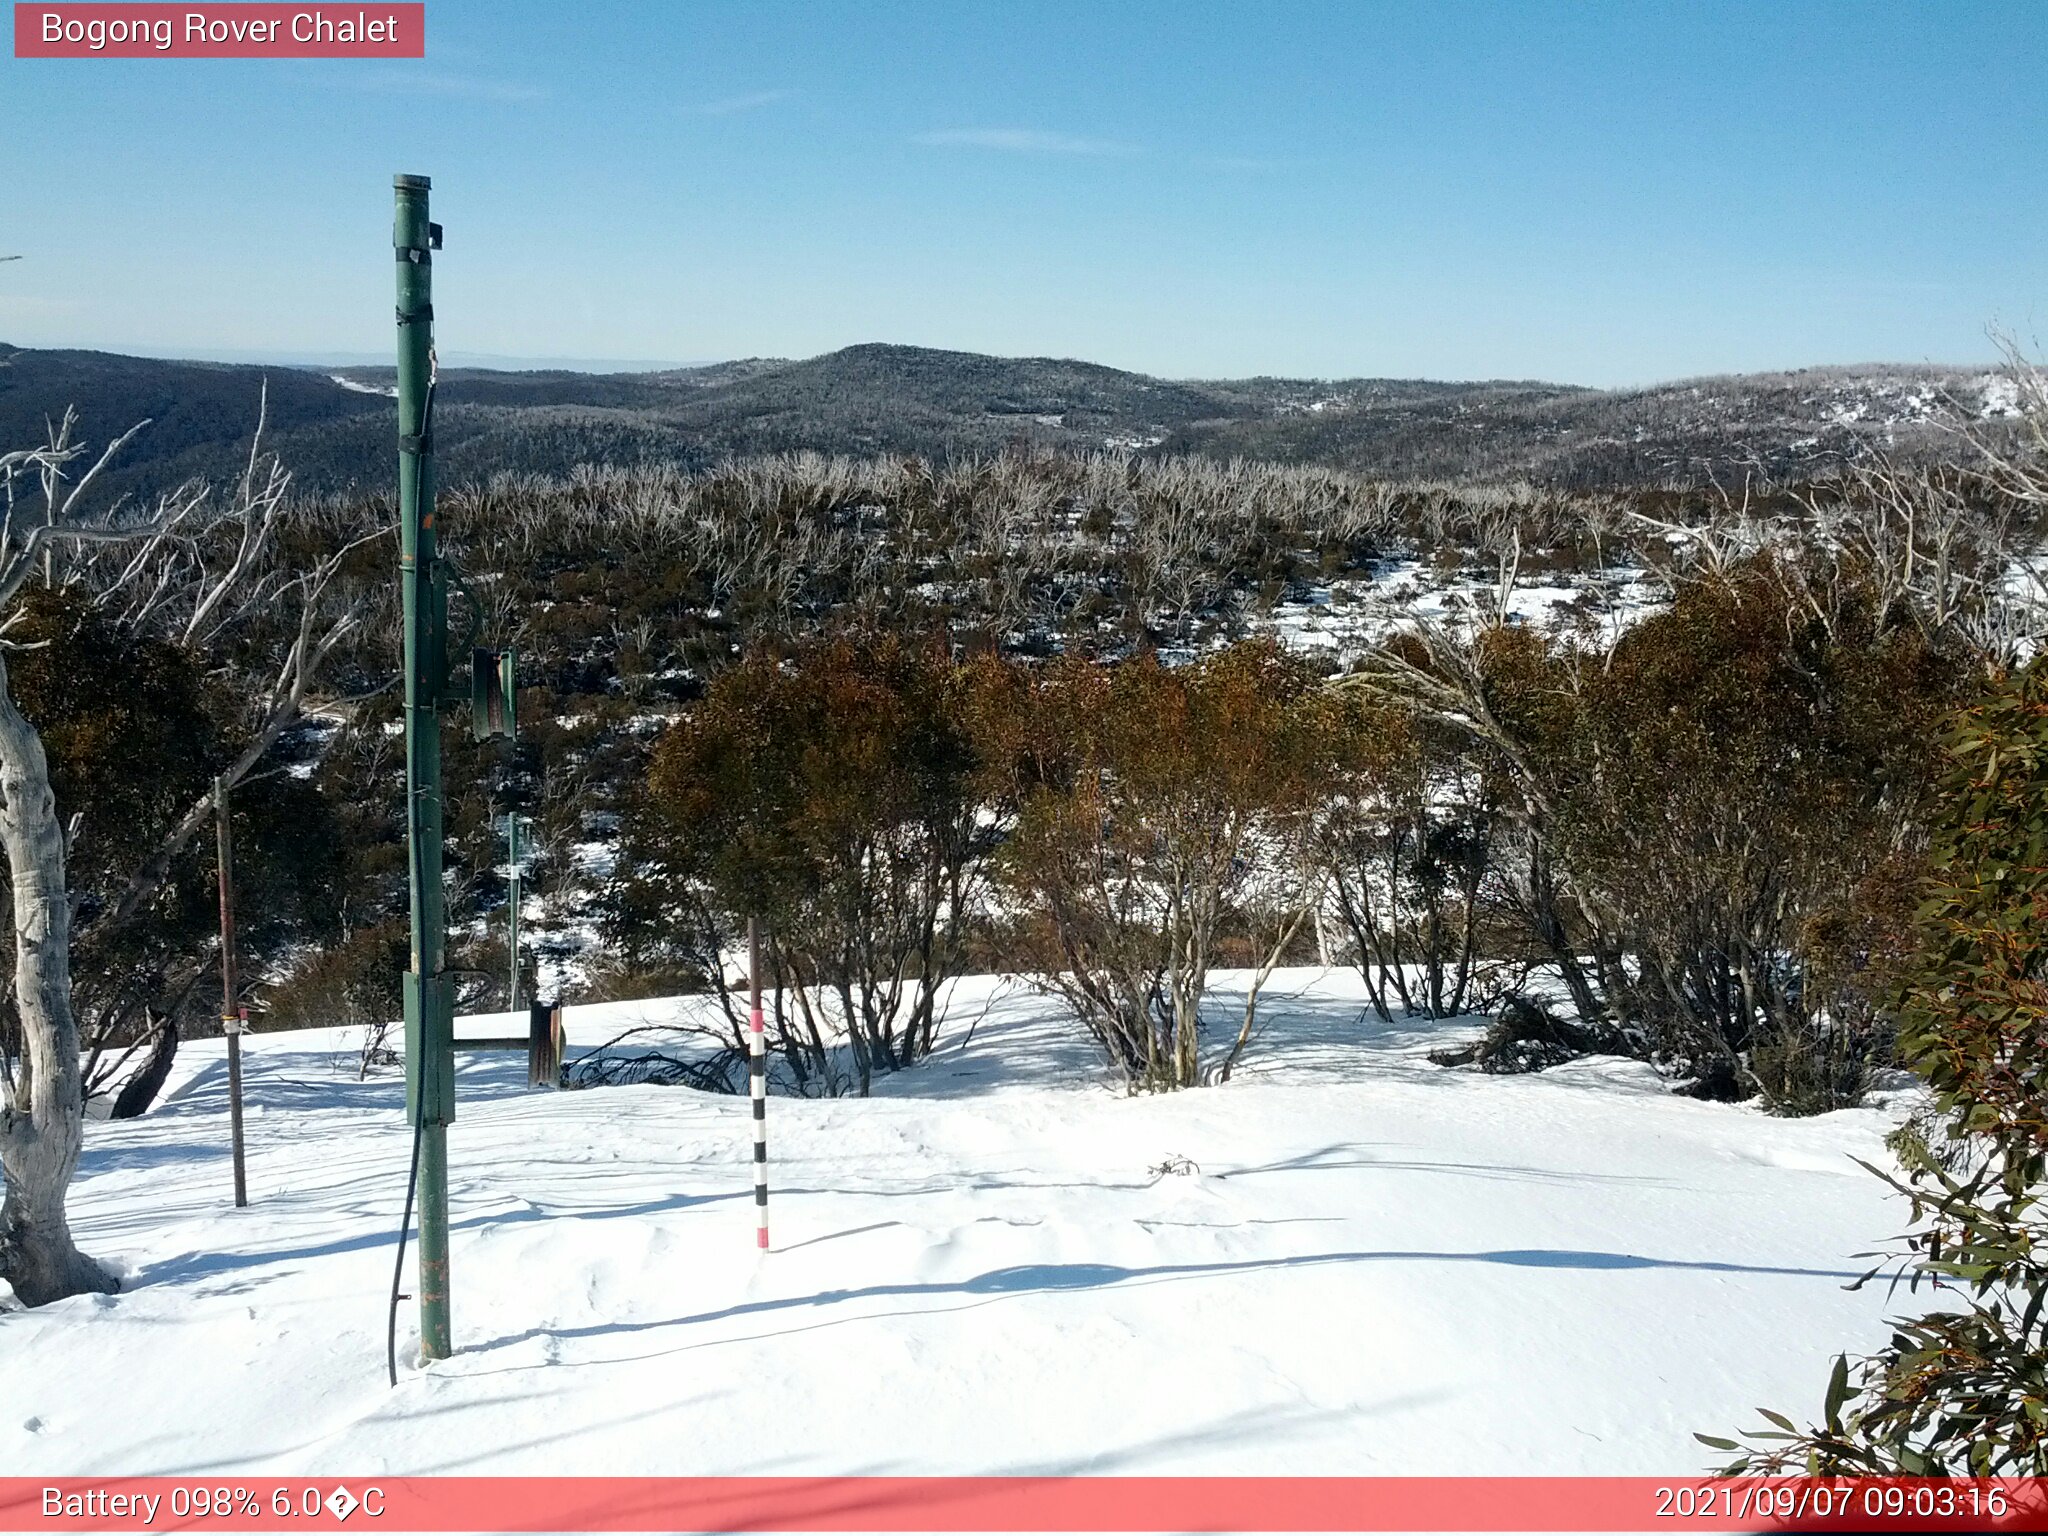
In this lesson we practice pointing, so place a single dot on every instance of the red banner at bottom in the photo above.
(989, 1504)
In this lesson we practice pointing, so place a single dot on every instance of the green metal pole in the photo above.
(429, 1017)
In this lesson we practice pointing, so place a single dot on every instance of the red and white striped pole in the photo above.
(757, 1060)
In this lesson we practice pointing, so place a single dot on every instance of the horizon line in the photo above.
(600, 367)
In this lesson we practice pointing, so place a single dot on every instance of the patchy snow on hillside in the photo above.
(1370, 1265)
(389, 391)
(2000, 398)
(1349, 616)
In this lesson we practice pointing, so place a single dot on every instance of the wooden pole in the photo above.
(757, 1082)
(231, 1015)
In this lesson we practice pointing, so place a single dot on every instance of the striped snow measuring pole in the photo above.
(757, 1082)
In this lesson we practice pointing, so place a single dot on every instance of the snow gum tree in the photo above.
(41, 1129)
(1406, 840)
(1959, 1391)
(189, 576)
(41, 1123)
(1708, 828)
(829, 797)
(1742, 793)
(1148, 803)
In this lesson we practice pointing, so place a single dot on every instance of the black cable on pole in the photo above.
(412, 1178)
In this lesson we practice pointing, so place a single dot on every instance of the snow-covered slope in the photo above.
(1376, 1266)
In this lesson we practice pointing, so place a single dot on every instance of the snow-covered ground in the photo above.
(1376, 1266)
(1349, 616)
(390, 390)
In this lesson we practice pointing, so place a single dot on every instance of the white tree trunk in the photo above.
(42, 1127)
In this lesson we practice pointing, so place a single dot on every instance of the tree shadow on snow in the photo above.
(190, 1266)
(282, 1082)
(1333, 1156)
(1043, 1279)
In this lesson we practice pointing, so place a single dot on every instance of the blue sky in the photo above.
(1605, 194)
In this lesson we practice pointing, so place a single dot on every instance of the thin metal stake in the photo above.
(757, 1060)
(512, 935)
(233, 1017)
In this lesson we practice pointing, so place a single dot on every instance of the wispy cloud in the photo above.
(752, 102)
(409, 82)
(1250, 165)
(1026, 141)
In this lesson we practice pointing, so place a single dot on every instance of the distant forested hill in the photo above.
(335, 428)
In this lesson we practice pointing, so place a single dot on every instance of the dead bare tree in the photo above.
(1710, 550)
(42, 1114)
(1283, 892)
(1174, 563)
(186, 575)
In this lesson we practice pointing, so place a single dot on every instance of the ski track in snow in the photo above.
(1380, 1267)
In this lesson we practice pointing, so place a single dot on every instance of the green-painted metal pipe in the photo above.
(429, 1019)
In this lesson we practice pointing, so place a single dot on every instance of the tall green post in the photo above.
(429, 1011)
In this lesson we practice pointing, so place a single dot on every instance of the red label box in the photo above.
(367, 29)
(1681, 1506)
